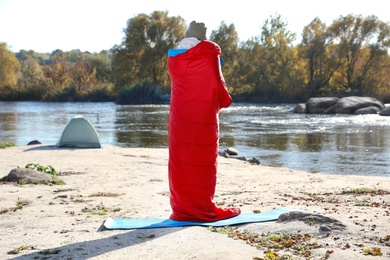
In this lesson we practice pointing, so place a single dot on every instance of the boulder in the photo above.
(331, 110)
(385, 112)
(34, 142)
(300, 108)
(23, 175)
(367, 110)
(319, 105)
(348, 105)
(231, 151)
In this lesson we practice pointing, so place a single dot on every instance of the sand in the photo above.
(65, 221)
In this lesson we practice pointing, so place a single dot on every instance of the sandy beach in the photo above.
(65, 221)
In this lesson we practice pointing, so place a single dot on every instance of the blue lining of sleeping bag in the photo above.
(175, 52)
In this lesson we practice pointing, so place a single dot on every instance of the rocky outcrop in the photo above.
(345, 105)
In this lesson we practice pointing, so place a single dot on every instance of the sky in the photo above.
(96, 25)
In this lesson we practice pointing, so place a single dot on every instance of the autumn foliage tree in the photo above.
(9, 67)
(361, 43)
(142, 56)
(348, 57)
(321, 64)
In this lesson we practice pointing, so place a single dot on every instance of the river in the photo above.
(333, 144)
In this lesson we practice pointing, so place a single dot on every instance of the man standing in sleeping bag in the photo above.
(198, 92)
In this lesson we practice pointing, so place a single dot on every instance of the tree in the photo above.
(360, 43)
(25, 55)
(102, 63)
(9, 66)
(59, 74)
(227, 38)
(280, 66)
(57, 56)
(142, 55)
(83, 76)
(248, 83)
(32, 85)
(321, 65)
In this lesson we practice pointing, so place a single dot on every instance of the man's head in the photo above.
(197, 30)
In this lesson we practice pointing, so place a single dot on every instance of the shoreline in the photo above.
(133, 183)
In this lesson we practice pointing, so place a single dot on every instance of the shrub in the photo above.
(6, 144)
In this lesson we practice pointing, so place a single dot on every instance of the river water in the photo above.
(333, 144)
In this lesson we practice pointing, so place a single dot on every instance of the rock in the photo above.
(385, 112)
(331, 110)
(231, 151)
(227, 155)
(367, 110)
(319, 105)
(348, 105)
(300, 108)
(254, 161)
(23, 175)
(33, 142)
(345, 105)
(224, 154)
(326, 223)
(241, 158)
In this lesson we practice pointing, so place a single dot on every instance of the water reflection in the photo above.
(142, 126)
(8, 122)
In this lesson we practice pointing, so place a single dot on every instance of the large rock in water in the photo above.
(319, 105)
(385, 112)
(23, 175)
(367, 110)
(345, 105)
(348, 105)
(300, 108)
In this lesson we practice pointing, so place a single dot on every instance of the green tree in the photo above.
(9, 67)
(248, 84)
(57, 56)
(25, 55)
(74, 55)
(227, 38)
(142, 55)
(33, 85)
(103, 65)
(280, 65)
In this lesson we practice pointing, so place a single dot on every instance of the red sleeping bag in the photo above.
(198, 92)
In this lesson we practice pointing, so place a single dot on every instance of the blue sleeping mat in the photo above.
(243, 218)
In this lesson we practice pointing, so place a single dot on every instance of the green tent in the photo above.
(79, 133)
